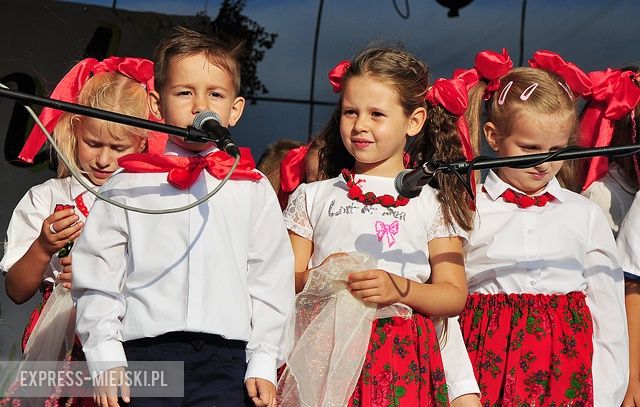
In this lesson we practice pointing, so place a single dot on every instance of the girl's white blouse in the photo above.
(26, 222)
(396, 237)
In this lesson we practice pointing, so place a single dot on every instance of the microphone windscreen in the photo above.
(402, 186)
(202, 117)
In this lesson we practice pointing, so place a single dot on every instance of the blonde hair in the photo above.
(107, 91)
(551, 96)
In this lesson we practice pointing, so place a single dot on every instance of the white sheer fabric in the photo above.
(329, 334)
(53, 335)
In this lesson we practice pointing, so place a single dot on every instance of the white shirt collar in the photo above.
(174, 149)
(495, 187)
(75, 188)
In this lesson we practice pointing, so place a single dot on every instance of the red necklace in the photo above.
(369, 198)
(525, 201)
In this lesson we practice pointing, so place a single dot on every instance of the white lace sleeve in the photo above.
(439, 228)
(295, 215)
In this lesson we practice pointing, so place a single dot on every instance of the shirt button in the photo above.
(533, 283)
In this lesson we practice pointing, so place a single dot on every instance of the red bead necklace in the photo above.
(369, 198)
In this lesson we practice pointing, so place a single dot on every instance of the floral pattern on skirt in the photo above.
(530, 349)
(403, 366)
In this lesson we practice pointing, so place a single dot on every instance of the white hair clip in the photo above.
(527, 92)
(566, 89)
(503, 94)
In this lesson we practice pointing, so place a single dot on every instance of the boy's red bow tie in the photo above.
(184, 171)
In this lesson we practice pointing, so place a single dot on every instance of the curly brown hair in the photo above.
(410, 78)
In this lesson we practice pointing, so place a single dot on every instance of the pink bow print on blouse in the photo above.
(388, 230)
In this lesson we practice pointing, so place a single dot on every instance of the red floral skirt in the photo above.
(530, 350)
(403, 366)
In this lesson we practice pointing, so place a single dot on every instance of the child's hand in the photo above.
(107, 395)
(58, 229)
(65, 276)
(262, 392)
(467, 400)
(632, 398)
(377, 286)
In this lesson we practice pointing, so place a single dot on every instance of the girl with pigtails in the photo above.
(46, 221)
(376, 272)
(544, 323)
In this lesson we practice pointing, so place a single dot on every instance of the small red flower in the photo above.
(355, 192)
(370, 198)
(386, 200)
(402, 200)
(542, 200)
(509, 196)
(525, 201)
(62, 207)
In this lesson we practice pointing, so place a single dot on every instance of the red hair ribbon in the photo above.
(613, 95)
(138, 69)
(452, 95)
(489, 66)
(577, 80)
(292, 173)
(336, 75)
(492, 66)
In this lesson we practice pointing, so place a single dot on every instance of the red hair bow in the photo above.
(492, 66)
(452, 95)
(577, 80)
(336, 75)
(138, 69)
(614, 94)
(292, 173)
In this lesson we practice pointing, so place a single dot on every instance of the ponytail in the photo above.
(442, 142)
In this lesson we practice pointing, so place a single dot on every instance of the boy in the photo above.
(211, 286)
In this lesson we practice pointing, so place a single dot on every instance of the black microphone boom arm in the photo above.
(190, 133)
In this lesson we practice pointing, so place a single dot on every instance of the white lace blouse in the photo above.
(396, 237)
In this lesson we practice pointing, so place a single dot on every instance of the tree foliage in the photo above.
(233, 26)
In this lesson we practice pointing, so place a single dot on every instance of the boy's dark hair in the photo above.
(182, 42)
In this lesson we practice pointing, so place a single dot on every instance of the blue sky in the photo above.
(591, 33)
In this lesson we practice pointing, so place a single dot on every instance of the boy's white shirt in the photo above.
(224, 267)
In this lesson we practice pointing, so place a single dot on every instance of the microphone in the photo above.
(209, 122)
(409, 183)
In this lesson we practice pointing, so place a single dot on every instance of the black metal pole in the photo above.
(313, 68)
(531, 160)
(189, 133)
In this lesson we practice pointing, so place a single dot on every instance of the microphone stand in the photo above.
(531, 160)
(433, 167)
(190, 133)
